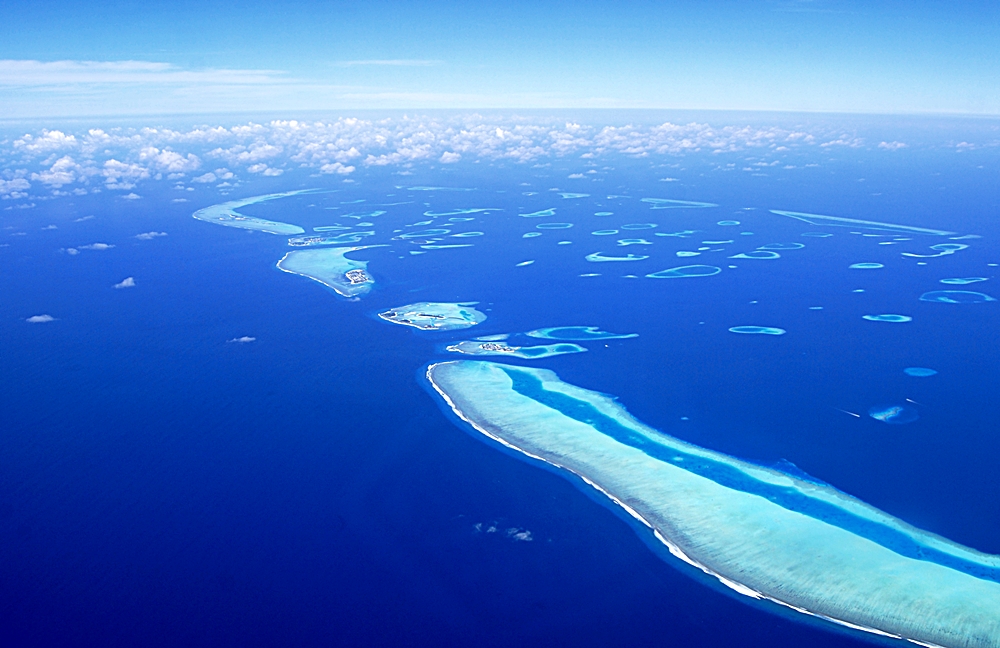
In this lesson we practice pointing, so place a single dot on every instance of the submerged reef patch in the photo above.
(919, 372)
(894, 414)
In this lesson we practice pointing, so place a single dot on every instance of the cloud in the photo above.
(207, 177)
(96, 246)
(12, 189)
(148, 236)
(336, 167)
(575, 176)
(390, 63)
(47, 73)
(243, 340)
(127, 282)
(891, 146)
(53, 140)
(40, 319)
(131, 196)
(450, 157)
(63, 171)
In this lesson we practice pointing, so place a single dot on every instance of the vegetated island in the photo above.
(435, 316)
(330, 267)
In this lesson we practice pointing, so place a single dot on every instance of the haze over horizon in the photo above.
(129, 58)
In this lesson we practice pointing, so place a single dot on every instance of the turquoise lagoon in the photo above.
(332, 268)
(761, 532)
(435, 316)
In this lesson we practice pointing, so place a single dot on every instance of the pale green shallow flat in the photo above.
(226, 214)
(755, 529)
(330, 267)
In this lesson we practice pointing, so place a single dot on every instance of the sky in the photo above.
(127, 57)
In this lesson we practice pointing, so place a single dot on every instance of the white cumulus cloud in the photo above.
(127, 282)
(40, 319)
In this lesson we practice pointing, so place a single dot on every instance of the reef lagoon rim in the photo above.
(763, 533)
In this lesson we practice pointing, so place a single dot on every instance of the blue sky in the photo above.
(126, 57)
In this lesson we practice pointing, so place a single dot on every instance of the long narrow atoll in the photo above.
(226, 214)
(330, 267)
(764, 533)
(435, 316)
(837, 221)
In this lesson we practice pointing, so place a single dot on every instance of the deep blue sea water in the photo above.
(161, 486)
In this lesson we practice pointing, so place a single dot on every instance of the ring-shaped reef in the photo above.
(577, 333)
(553, 226)
(865, 266)
(458, 212)
(424, 233)
(782, 246)
(639, 226)
(686, 271)
(494, 348)
(765, 533)
(888, 317)
(597, 257)
(894, 414)
(962, 281)
(728, 223)
(435, 316)
(956, 297)
(943, 249)
(757, 254)
(604, 232)
(625, 242)
(758, 330)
